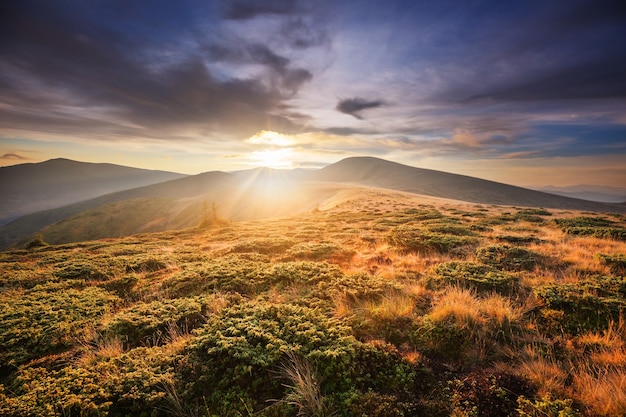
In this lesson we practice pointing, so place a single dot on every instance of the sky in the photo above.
(524, 92)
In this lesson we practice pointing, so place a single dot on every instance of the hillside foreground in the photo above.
(379, 304)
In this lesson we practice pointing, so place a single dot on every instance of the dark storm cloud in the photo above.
(248, 9)
(353, 106)
(54, 58)
(289, 80)
(543, 52)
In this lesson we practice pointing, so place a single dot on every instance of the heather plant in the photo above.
(591, 303)
(267, 246)
(599, 227)
(509, 258)
(253, 339)
(482, 278)
(416, 239)
(149, 322)
(616, 263)
(377, 306)
(47, 319)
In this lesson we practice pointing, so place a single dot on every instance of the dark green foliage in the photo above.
(483, 278)
(147, 264)
(589, 304)
(130, 384)
(489, 395)
(445, 340)
(592, 226)
(373, 404)
(584, 222)
(518, 240)
(616, 263)
(36, 242)
(46, 319)
(534, 212)
(267, 246)
(509, 258)
(150, 322)
(237, 353)
(317, 251)
(546, 407)
(239, 273)
(617, 233)
(412, 239)
(82, 269)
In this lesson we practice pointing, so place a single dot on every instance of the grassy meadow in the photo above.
(374, 304)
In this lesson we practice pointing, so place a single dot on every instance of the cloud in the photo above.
(249, 9)
(67, 70)
(14, 157)
(353, 106)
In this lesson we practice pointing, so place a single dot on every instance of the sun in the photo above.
(274, 158)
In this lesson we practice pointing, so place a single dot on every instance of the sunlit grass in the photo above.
(373, 302)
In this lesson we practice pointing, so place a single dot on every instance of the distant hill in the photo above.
(589, 192)
(260, 194)
(28, 188)
(244, 195)
(375, 172)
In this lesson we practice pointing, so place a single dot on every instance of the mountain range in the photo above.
(91, 201)
(28, 188)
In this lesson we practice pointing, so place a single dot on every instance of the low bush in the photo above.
(267, 246)
(518, 240)
(482, 278)
(411, 239)
(488, 394)
(509, 258)
(317, 251)
(130, 384)
(149, 322)
(616, 263)
(234, 356)
(587, 305)
(48, 318)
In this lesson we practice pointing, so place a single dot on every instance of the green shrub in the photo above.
(599, 227)
(36, 242)
(546, 407)
(47, 319)
(413, 239)
(145, 264)
(236, 273)
(616, 233)
(150, 321)
(317, 251)
(82, 269)
(267, 246)
(130, 384)
(583, 222)
(518, 240)
(509, 258)
(234, 356)
(482, 394)
(483, 278)
(616, 263)
(587, 305)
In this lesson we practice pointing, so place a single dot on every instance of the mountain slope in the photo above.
(245, 195)
(28, 188)
(181, 188)
(375, 172)
(260, 194)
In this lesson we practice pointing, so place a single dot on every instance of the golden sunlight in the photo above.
(268, 137)
(274, 158)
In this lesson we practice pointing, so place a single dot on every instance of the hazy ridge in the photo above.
(258, 194)
(29, 188)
